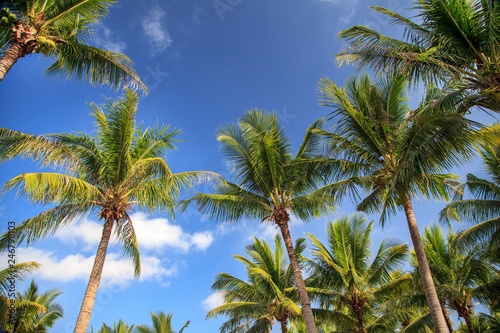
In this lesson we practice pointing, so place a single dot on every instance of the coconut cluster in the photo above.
(45, 45)
(7, 19)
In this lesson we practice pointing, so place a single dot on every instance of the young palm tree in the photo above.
(484, 208)
(120, 327)
(13, 274)
(268, 295)
(9, 277)
(396, 154)
(108, 175)
(36, 312)
(459, 272)
(61, 29)
(161, 324)
(270, 183)
(457, 40)
(350, 288)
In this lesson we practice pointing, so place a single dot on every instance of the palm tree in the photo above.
(396, 154)
(108, 175)
(350, 287)
(484, 208)
(120, 327)
(35, 312)
(268, 295)
(457, 40)
(459, 272)
(61, 30)
(161, 324)
(8, 296)
(15, 273)
(270, 182)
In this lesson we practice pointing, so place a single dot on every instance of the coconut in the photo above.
(5, 12)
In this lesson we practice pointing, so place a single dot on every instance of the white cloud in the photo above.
(86, 231)
(153, 234)
(156, 234)
(106, 39)
(264, 231)
(212, 301)
(154, 31)
(202, 240)
(117, 270)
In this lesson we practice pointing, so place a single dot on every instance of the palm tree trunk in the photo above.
(468, 322)
(83, 320)
(9, 58)
(284, 328)
(299, 281)
(423, 267)
(448, 320)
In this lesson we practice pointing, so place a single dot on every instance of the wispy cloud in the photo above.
(107, 39)
(212, 301)
(349, 5)
(153, 29)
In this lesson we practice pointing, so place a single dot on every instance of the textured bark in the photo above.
(469, 323)
(284, 327)
(425, 272)
(83, 320)
(297, 274)
(464, 310)
(358, 310)
(9, 58)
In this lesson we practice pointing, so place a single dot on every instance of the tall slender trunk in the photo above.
(10, 57)
(448, 320)
(297, 274)
(464, 311)
(284, 327)
(468, 322)
(83, 320)
(423, 267)
(358, 310)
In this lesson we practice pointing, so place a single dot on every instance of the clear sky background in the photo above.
(205, 63)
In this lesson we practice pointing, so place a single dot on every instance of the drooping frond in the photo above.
(94, 65)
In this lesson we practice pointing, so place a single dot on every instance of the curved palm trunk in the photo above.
(423, 266)
(468, 322)
(83, 320)
(464, 311)
(297, 274)
(359, 316)
(284, 327)
(9, 58)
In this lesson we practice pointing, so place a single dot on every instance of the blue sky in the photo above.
(206, 63)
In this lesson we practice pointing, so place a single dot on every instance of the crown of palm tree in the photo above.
(161, 324)
(62, 29)
(455, 39)
(349, 287)
(35, 312)
(484, 206)
(268, 295)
